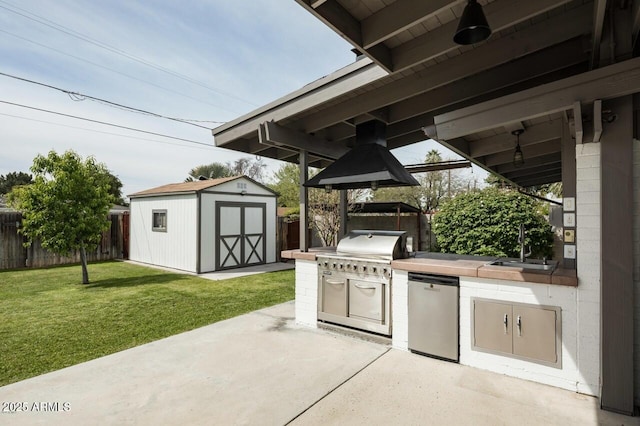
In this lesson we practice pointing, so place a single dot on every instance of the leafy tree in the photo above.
(487, 222)
(248, 167)
(14, 179)
(115, 189)
(67, 205)
(209, 171)
(287, 185)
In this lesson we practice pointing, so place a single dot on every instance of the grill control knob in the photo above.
(386, 272)
(364, 268)
(326, 264)
(333, 266)
(341, 266)
(374, 269)
(347, 266)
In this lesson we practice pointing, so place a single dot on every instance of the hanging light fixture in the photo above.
(518, 157)
(328, 188)
(473, 26)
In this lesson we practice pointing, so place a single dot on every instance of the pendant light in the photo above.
(518, 157)
(473, 26)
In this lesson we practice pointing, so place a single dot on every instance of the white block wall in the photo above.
(400, 310)
(636, 264)
(588, 242)
(567, 376)
(306, 293)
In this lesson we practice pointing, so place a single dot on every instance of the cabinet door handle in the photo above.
(505, 321)
(519, 324)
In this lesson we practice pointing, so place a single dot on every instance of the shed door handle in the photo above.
(505, 321)
(336, 282)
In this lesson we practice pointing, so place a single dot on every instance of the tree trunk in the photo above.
(83, 260)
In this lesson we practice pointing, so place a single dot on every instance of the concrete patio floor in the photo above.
(262, 369)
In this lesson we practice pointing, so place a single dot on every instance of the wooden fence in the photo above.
(13, 253)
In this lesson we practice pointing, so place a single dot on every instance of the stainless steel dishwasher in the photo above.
(433, 315)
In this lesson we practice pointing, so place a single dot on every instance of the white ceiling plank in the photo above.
(528, 67)
(500, 51)
(501, 14)
(397, 17)
(599, 10)
(604, 83)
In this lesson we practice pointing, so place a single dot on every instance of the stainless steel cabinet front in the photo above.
(366, 300)
(334, 295)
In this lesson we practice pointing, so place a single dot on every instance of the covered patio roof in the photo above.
(546, 62)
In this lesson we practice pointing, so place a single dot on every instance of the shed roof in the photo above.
(195, 186)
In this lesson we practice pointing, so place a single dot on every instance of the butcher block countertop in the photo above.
(460, 265)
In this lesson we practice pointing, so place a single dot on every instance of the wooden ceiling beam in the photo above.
(501, 14)
(603, 83)
(533, 151)
(336, 17)
(272, 134)
(537, 37)
(543, 180)
(543, 160)
(532, 173)
(399, 16)
(599, 11)
(506, 141)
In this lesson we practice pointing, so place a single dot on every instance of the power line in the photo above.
(58, 27)
(104, 123)
(76, 96)
(105, 133)
(114, 71)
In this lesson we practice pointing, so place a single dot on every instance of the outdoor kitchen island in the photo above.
(487, 342)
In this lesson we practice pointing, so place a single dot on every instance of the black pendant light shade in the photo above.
(518, 157)
(473, 26)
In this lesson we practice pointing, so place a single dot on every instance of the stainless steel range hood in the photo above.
(368, 165)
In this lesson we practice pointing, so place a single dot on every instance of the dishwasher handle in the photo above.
(434, 279)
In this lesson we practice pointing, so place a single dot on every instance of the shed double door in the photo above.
(240, 234)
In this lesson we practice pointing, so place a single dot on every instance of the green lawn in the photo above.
(48, 320)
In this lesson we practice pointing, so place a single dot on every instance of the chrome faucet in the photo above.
(521, 235)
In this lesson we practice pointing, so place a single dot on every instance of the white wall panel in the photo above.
(175, 248)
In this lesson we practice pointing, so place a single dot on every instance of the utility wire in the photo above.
(76, 96)
(105, 123)
(58, 27)
(113, 70)
(106, 133)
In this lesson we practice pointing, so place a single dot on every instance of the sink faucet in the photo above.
(521, 235)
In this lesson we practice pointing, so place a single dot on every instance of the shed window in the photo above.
(160, 220)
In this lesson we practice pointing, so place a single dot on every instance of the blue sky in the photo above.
(205, 60)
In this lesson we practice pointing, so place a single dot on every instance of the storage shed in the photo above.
(204, 226)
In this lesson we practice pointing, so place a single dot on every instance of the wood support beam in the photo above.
(599, 11)
(397, 17)
(603, 83)
(543, 160)
(303, 161)
(280, 136)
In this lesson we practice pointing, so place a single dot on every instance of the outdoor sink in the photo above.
(536, 265)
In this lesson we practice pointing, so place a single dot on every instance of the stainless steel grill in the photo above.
(354, 284)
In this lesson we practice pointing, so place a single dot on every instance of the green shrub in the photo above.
(487, 223)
